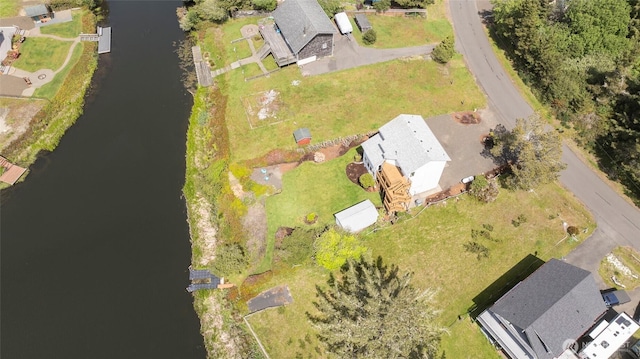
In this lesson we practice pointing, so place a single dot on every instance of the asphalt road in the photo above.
(618, 221)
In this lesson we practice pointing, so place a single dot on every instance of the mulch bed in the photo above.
(467, 118)
(354, 171)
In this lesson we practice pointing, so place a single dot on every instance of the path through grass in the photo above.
(42, 53)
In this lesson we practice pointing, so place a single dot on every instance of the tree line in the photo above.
(582, 58)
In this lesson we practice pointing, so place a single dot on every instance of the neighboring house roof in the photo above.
(36, 10)
(300, 21)
(408, 141)
(357, 217)
(558, 302)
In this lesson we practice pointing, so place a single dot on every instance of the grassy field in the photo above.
(9, 8)
(50, 89)
(343, 103)
(42, 53)
(431, 246)
(398, 31)
(68, 29)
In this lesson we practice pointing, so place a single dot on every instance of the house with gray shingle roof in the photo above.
(407, 143)
(305, 27)
(39, 13)
(544, 314)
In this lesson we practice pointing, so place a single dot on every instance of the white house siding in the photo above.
(426, 177)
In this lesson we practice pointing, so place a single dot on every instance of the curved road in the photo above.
(618, 221)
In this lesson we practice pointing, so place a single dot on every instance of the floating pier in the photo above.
(102, 37)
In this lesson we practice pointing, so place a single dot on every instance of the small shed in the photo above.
(39, 13)
(363, 23)
(357, 217)
(302, 136)
(343, 23)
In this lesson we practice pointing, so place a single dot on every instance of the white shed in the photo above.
(357, 217)
(343, 23)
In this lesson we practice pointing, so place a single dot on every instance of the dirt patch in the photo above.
(255, 226)
(206, 232)
(354, 171)
(281, 234)
(265, 108)
(335, 151)
(15, 117)
(467, 118)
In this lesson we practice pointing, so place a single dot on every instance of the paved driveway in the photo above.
(348, 54)
(618, 221)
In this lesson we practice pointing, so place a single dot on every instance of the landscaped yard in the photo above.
(42, 53)
(431, 246)
(50, 89)
(623, 263)
(67, 29)
(323, 189)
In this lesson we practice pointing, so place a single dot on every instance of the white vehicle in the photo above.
(467, 179)
(343, 23)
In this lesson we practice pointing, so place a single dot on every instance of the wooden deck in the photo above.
(12, 172)
(279, 48)
(203, 71)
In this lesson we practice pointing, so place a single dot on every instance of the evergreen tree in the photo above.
(444, 51)
(372, 311)
(532, 151)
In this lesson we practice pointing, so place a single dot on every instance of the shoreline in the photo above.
(44, 129)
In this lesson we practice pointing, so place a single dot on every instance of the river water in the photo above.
(94, 244)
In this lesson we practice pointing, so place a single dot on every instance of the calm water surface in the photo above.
(94, 245)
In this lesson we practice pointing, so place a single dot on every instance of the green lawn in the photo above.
(68, 29)
(323, 189)
(42, 53)
(395, 31)
(343, 103)
(50, 89)
(9, 8)
(431, 246)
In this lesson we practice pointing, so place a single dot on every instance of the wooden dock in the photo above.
(12, 173)
(203, 71)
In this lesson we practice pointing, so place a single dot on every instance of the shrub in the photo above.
(483, 189)
(297, 247)
(370, 37)
(332, 249)
(267, 5)
(367, 181)
(518, 221)
(357, 157)
(311, 218)
(573, 230)
(444, 51)
(477, 248)
(230, 259)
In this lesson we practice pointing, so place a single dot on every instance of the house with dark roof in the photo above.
(542, 316)
(39, 13)
(303, 27)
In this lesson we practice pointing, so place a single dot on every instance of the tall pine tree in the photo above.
(372, 311)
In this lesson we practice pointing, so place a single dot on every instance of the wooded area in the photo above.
(582, 58)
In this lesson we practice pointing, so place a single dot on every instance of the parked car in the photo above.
(467, 179)
(616, 297)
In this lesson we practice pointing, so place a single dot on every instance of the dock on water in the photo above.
(203, 71)
(102, 37)
(12, 173)
(104, 40)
